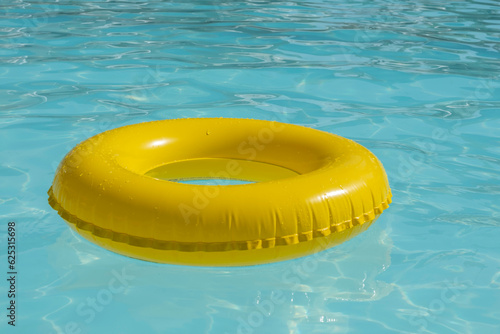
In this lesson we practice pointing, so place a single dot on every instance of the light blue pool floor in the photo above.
(415, 82)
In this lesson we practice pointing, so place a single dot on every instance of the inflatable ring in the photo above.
(311, 190)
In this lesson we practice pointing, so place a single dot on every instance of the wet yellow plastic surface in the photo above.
(313, 190)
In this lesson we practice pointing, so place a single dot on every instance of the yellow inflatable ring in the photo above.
(312, 190)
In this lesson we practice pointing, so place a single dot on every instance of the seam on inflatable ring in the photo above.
(214, 246)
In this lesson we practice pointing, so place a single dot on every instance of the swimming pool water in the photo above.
(416, 82)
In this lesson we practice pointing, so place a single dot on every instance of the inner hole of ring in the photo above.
(219, 171)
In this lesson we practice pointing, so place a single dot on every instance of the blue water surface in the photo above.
(416, 82)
